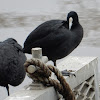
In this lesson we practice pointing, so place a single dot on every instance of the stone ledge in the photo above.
(84, 68)
(27, 94)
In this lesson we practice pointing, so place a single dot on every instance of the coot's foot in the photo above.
(67, 73)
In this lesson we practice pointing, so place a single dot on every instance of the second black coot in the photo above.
(11, 63)
(57, 38)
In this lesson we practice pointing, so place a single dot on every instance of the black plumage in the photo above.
(11, 63)
(57, 38)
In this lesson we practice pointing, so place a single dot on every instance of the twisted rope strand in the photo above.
(67, 90)
(42, 66)
(43, 75)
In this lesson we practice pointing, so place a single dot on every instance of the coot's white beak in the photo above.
(70, 22)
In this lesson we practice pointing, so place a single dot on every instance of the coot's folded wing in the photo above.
(43, 34)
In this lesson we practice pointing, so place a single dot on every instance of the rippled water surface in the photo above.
(18, 18)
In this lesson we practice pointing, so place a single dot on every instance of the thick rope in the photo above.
(43, 75)
(43, 68)
(68, 94)
(50, 82)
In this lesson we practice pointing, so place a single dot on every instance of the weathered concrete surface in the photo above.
(27, 94)
(84, 68)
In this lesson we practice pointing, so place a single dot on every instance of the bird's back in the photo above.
(43, 30)
(43, 34)
(11, 63)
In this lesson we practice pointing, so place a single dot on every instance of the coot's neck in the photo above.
(75, 25)
(77, 29)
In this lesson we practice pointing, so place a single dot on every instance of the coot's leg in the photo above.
(7, 87)
(54, 63)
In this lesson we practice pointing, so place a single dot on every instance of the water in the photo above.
(18, 18)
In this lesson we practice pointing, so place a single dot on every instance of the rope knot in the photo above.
(43, 73)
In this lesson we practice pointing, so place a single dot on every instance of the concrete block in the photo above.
(85, 90)
(83, 67)
(30, 94)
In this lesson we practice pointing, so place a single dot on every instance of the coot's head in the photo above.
(72, 19)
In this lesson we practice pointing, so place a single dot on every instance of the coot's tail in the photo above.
(23, 50)
(26, 50)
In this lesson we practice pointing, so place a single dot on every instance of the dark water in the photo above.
(17, 20)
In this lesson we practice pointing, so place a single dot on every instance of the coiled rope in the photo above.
(43, 75)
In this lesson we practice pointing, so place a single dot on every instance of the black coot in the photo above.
(11, 63)
(57, 38)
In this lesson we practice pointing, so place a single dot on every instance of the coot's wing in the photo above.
(44, 35)
(43, 30)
